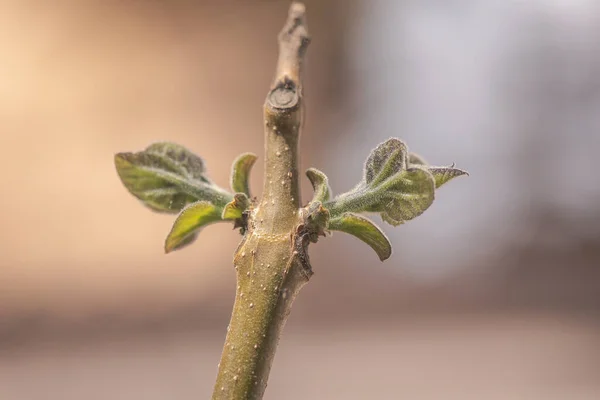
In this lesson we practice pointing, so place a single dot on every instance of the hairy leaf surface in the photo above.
(240, 173)
(191, 219)
(166, 177)
(365, 230)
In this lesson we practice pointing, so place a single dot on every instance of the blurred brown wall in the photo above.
(81, 81)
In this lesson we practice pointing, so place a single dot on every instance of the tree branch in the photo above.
(283, 119)
(271, 262)
(286, 90)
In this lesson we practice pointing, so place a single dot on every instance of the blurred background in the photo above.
(493, 293)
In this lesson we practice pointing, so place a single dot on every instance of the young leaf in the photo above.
(236, 207)
(387, 159)
(407, 196)
(320, 184)
(444, 174)
(185, 242)
(166, 177)
(416, 159)
(392, 187)
(440, 174)
(365, 230)
(181, 160)
(240, 173)
(188, 223)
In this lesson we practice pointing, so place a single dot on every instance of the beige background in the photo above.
(493, 293)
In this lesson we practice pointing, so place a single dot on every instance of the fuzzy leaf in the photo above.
(391, 186)
(191, 219)
(185, 242)
(320, 184)
(181, 160)
(416, 159)
(440, 174)
(445, 174)
(386, 160)
(240, 173)
(236, 207)
(365, 230)
(410, 194)
(166, 177)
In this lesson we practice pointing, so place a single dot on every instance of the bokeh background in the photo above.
(494, 293)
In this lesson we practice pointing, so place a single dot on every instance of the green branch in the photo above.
(272, 262)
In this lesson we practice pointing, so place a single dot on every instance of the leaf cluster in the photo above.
(396, 184)
(168, 178)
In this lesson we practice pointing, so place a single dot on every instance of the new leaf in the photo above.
(189, 222)
(240, 173)
(365, 230)
(166, 177)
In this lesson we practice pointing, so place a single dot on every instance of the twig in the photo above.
(271, 262)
